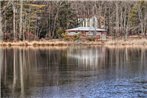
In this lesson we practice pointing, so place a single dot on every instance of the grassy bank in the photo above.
(36, 43)
(49, 43)
(68, 43)
(127, 42)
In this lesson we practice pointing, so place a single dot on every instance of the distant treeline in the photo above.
(33, 20)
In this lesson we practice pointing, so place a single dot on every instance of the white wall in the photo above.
(89, 22)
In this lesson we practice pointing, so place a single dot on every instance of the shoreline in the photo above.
(48, 43)
(129, 42)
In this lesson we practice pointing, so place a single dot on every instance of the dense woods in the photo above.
(34, 20)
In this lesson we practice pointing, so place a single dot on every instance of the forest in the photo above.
(35, 20)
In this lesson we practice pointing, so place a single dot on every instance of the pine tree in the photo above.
(133, 16)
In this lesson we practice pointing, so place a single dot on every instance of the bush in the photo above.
(76, 37)
(91, 39)
(71, 38)
(60, 32)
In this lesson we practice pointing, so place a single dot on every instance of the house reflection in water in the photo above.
(87, 57)
(49, 73)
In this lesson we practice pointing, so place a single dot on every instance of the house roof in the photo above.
(72, 33)
(85, 29)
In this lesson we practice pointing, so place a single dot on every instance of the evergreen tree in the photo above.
(133, 16)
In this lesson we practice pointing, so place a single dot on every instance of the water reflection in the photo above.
(53, 72)
(87, 57)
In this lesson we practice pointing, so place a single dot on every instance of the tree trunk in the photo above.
(1, 32)
(14, 31)
(20, 23)
(145, 22)
(125, 23)
(54, 25)
(141, 22)
(117, 19)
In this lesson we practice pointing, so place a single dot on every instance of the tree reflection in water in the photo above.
(24, 70)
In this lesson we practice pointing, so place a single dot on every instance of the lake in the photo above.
(74, 72)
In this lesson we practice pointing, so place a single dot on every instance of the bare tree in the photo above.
(14, 30)
(20, 23)
(117, 18)
(1, 32)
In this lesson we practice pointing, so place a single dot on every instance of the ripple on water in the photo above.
(93, 89)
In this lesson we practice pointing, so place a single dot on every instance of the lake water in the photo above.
(73, 72)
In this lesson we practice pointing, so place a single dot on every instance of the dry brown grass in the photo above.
(35, 43)
(129, 42)
(48, 43)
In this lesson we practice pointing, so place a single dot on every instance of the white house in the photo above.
(88, 22)
(88, 32)
(88, 28)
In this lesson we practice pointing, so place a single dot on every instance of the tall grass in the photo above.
(118, 42)
(127, 42)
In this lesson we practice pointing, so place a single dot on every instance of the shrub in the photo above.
(60, 32)
(70, 38)
(91, 39)
(76, 37)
